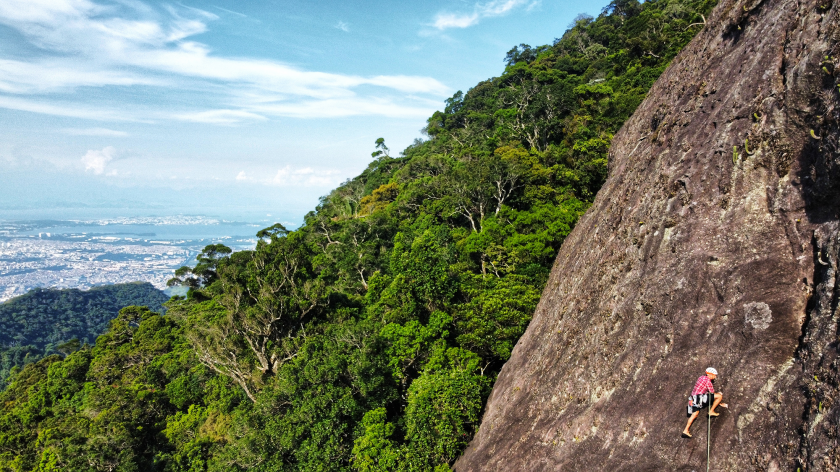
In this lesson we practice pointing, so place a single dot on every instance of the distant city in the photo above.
(86, 253)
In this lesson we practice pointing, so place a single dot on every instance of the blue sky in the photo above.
(231, 109)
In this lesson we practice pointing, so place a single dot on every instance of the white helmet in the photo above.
(711, 370)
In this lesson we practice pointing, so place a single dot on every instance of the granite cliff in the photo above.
(714, 242)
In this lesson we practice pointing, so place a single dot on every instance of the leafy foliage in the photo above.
(50, 321)
(113, 406)
(370, 337)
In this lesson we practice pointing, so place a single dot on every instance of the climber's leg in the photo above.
(690, 420)
(718, 398)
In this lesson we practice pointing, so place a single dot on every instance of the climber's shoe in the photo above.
(686, 435)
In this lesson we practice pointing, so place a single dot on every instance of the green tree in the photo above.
(381, 149)
(444, 405)
(204, 272)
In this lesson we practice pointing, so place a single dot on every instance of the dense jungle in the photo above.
(52, 321)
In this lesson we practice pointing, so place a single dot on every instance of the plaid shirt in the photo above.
(703, 385)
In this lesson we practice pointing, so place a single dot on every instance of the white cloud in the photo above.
(49, 75)
(230, 11)
(534, 5)
(343, 26)
(454, 20)
(500, 7)
(132, 44)
(97, 160)
(62, 109)
(305, 177)
(220, 117)
(336, 108)
(490, 9)
(290, 176)
(95, 132)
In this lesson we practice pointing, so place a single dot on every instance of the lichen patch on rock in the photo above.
(758, 315)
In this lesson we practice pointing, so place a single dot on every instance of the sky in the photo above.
(243, 110)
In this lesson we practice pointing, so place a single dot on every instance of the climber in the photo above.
(702, 393)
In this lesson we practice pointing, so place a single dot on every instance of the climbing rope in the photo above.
(709, 439)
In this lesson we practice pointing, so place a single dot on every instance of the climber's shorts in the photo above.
(698, 402)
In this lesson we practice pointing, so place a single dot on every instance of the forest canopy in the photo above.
(52, 321)
(369, 338)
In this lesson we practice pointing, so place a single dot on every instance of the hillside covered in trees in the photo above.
(49, 321)
(369, 338)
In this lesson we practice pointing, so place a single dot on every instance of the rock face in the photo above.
(695, 255)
